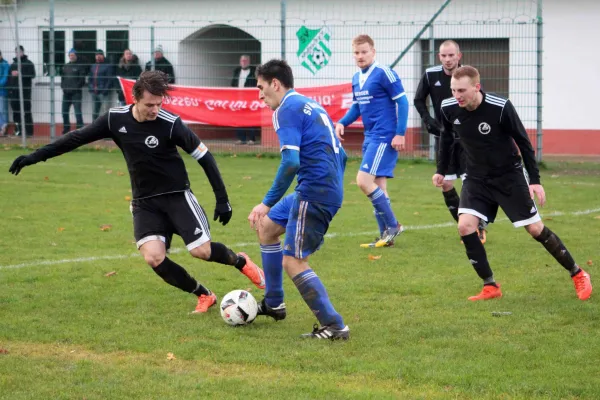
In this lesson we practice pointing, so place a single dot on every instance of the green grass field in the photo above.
(68, 331)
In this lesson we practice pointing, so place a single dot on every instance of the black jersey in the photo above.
(488, 135)
(435, 83)
(150, 148)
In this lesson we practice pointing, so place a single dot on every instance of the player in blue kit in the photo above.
(310, 150)
(378, 96)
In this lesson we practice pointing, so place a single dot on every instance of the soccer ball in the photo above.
(238, 307)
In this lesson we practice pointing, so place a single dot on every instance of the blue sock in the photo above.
(272, 263)
(315, 296)
(380, 221)
(383, 205)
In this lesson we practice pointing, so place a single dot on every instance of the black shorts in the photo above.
(456, 167)
(159, 217)
(482, 196)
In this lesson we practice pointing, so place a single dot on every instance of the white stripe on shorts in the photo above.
(150, 238)
(200, 218)
(299, 239)
(378, 157)
(472, 212)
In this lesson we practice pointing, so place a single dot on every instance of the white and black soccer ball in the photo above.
(238, 307)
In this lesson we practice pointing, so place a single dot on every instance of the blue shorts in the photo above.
(379, 159)
(305, 223)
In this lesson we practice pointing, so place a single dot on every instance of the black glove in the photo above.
(20, 163)
(223, 211)
(433, 126)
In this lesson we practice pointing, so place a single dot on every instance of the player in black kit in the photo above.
(435, 83)
(163, 203)
(489, 127)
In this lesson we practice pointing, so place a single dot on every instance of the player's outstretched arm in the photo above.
(223, 211)
(69, 142)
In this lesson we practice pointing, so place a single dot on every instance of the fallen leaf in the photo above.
(247, 178)
(46, 178)
(590, 262)
(548, 218)
(120, 173)
(373, 258)
(109, 171)
(259, 155)
(60, 229)
(105, 228)
(597, 217)
(171, 356)
(3, 351)
(416, 213)
(128, 198)
(111, 273)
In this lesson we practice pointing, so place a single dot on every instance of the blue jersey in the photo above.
(376, 90)
(303, 125)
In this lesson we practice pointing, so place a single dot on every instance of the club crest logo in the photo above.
(484, 128)
(151, 141)
(313, 48)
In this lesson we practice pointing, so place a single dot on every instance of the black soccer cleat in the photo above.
(278, 313)
(327, 332)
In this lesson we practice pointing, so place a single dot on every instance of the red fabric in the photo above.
(240, 107)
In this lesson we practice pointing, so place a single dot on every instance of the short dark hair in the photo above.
(155, 82)
(276, 69)
(20, 47)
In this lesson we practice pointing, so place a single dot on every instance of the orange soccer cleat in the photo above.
(488, 292)
(253, 272)
(205, 302)
(583, 285)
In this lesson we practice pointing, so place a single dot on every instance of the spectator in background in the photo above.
(100, 81)
(129, 67)
(244, 76)
(27, 76)
(4, 67)
(161, 64)
(72, 83)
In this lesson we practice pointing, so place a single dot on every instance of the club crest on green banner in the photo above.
(313, 48)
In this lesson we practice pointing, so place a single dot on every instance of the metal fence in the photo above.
(501, 38)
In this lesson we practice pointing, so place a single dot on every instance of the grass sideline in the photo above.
(67, 331)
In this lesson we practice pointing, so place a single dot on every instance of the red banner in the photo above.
(240, 107)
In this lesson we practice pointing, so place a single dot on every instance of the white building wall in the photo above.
(570, 33)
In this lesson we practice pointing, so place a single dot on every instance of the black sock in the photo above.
(555, 246)
(452, 200)
(224, 255)
(175, 275)
(478, 258)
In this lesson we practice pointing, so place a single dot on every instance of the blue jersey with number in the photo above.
(376, 90)
(303, 125)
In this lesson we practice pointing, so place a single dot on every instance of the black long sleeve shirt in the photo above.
(435, 84)
(491, 136)
(150, 148)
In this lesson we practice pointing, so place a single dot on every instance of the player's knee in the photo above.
(202, 252)
(268, 231)
(293, 266)
(466, 227)
(154, 259)
(535, 229)
(447, 185)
